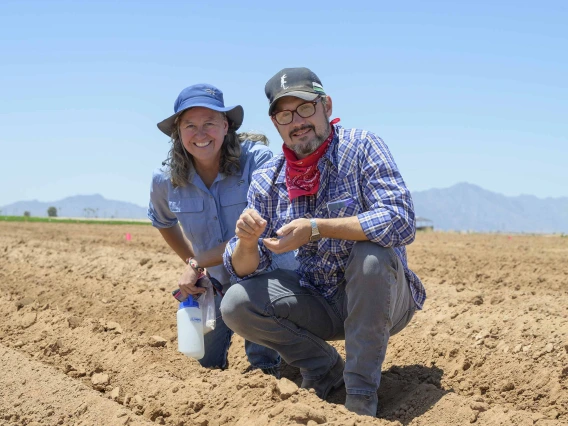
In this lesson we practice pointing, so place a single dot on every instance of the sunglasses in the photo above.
(305, 110)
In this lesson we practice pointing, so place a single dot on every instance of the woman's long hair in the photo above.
(180, 161)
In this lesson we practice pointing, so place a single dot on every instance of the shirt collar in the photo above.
(331, 152)
(281, 178)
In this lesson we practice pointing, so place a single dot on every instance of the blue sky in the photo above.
(459, 91)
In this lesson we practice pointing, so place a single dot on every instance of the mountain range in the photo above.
(83, 206)
(462, 207)
(467, 207)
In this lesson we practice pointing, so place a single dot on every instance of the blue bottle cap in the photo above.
(189, 303)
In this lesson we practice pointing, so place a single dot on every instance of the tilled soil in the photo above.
(88, 337)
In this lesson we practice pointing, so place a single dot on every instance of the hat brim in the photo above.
(307, 96)
(234, 113)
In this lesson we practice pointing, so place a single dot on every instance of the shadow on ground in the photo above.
(405, 392)
(408, 392)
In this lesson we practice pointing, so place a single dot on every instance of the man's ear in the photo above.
(328, 107)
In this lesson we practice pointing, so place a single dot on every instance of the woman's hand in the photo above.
(187, 283)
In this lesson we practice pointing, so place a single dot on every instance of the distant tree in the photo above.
(89, 212)
(52, 212)
(27, 214)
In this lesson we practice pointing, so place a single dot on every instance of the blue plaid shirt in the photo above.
(358, 178)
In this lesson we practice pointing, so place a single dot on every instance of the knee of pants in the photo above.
(371, 257)
(235, 306)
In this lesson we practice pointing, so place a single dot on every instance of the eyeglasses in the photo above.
(305, 110)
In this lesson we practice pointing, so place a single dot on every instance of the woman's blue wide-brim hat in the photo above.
(202, 95)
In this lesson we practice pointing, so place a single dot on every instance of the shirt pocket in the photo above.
(190, 212)
(233, 201)
(339, 206)
(234, 195)
(343, 205)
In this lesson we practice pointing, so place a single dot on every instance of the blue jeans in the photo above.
(217, 344)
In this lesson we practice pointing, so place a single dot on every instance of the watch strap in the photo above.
(315, 231)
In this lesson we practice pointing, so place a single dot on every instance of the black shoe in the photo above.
(273, 371)
(364, 405)
(332, 380)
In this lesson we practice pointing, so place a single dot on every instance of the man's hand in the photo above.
(293, 235)
(187, 283)
(250, 227)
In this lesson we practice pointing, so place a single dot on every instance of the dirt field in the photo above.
(88, 337)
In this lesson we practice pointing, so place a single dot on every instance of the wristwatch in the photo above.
(315, 231)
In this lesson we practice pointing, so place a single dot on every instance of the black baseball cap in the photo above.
(298, 82)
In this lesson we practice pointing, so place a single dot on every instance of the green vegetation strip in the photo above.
(71, 220)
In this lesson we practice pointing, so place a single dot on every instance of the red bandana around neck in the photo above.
(303, 176)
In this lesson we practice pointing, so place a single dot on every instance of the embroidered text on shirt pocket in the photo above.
(190, 213)
(186, 205)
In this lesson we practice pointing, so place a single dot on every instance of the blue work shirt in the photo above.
(208, 216)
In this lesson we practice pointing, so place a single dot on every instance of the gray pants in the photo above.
(373, 304)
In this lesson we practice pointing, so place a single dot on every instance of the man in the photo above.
(337, 197)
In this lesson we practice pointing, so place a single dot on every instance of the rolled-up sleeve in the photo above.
(389, 220)
(159, 211)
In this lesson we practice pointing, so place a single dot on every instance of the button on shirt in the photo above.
(358, 178)
(208, 215)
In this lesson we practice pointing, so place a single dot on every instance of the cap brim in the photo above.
(307, 96)
(235, 114)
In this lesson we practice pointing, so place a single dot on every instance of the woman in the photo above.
(203, 186)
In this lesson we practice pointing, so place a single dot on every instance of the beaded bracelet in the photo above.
(193, 263)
